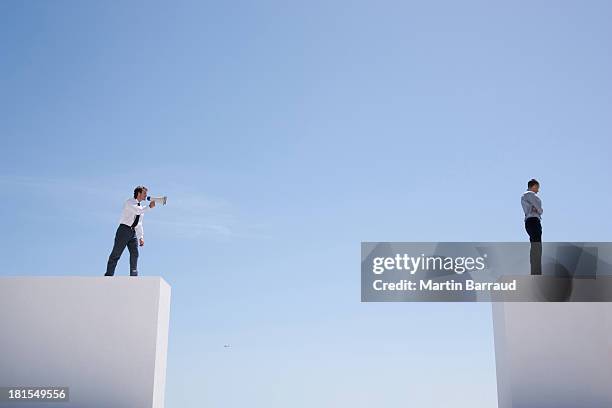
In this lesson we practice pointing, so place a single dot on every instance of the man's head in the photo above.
(140, 193)
(533, 185)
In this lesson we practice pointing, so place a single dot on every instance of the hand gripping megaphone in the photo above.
(160, 200)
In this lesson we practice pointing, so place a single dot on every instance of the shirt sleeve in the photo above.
(534, 202)
(525, 204)
(136, 209)
(139, 230)
(538, 205)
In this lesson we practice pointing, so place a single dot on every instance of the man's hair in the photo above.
(532, 183)
(138, 190)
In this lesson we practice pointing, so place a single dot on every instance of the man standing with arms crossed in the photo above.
(532, 207)
(129, 232)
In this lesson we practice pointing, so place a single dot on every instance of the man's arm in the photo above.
(139, 231)
(538, 205)
(525, 204)
(138, 210)
(535, 202)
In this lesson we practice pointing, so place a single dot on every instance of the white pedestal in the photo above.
(553, 355)
(103, 337)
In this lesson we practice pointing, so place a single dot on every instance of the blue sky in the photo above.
(284, 134)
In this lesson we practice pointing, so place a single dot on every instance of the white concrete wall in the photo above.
(553, 355)
(105, 338)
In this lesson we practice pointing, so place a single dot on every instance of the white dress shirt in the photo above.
(130, 210)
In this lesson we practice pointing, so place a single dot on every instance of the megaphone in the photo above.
(161, 200)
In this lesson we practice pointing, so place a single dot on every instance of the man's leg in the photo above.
(535, 258)
(534, 229)
(118, 248)
(538, 246)
(133, 248)
(538, 231)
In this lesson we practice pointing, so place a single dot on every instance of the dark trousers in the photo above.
(125, 236)
(534, 229)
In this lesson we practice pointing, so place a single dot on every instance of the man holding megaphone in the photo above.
(130, 232)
